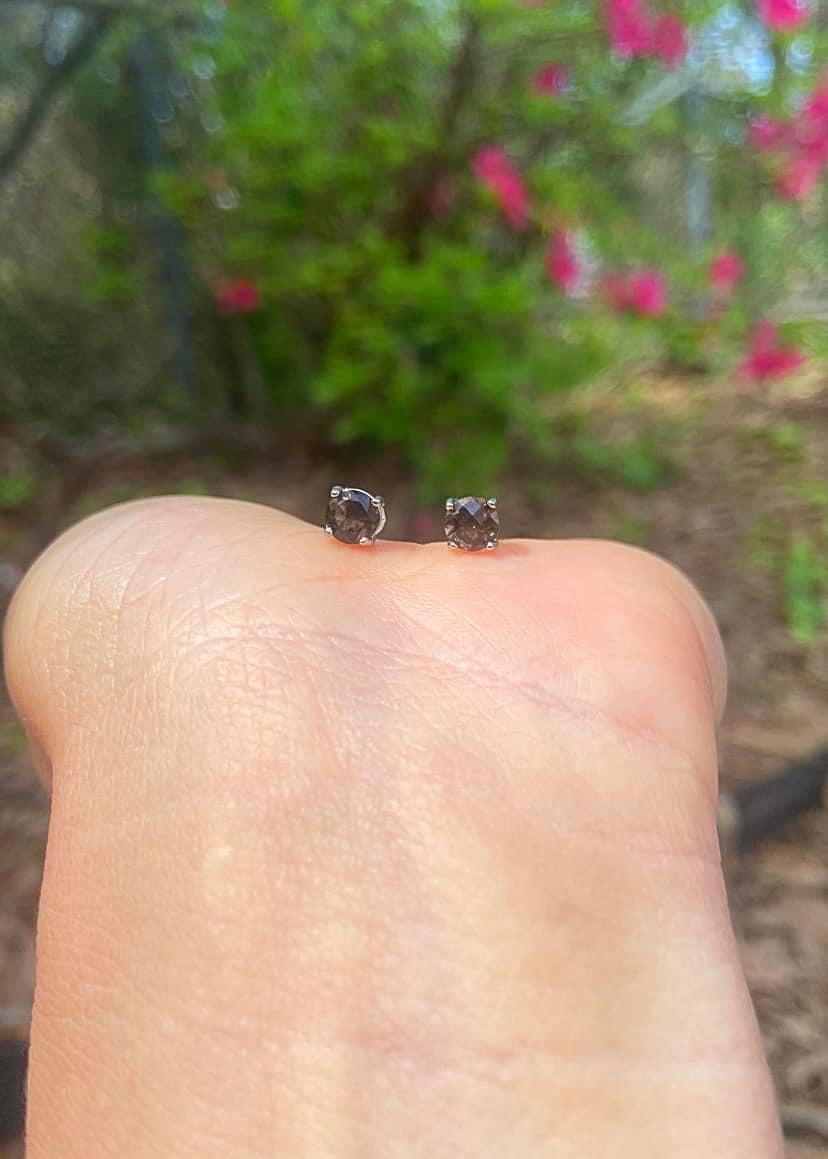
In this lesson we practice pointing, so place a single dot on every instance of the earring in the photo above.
(354, 516)
(472, 523)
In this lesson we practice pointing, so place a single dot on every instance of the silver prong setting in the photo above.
(380, 506)
(354, 516)
(472, 523)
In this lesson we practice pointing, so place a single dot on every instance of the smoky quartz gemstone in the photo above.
(354, 516)
(472, 523)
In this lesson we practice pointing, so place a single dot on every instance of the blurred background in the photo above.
(572, 252)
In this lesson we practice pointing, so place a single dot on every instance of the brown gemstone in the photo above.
(472, 523)
(353, 516)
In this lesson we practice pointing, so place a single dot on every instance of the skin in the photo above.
(377, 852)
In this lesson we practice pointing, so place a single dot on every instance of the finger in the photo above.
(376, 852)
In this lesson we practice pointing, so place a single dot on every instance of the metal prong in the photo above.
(328, 529)
(492, 503)
(336, 492)
(366, 541)
(346, 492)
(451, 504)
(491, 546)
(452, 546)
(378, 501)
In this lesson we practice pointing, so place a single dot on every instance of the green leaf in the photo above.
(16, 489)
(804, 587)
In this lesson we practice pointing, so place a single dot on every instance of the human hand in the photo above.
(377, 852)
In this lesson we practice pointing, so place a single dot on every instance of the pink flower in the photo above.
(561, 263)
(629, 28)
(633, 31)
(800, 144)
(726, 270)
(782, 15)
(765, 133)
(798, 179)
(551, 80)
(647, 293)
(490, 161)
(499, 174)
(816, 106)
(765, 357)
(669, 40)
(810, 130)
(812, 142)
(644, 292)
(772, 363)
(237, 296)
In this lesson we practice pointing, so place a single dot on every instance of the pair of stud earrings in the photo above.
(356, 516)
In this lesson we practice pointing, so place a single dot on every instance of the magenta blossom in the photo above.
(798, 179)
(562, 265)
(669, 40)
(799, 145)
(810, 129)
(628, 27)
(648, 293)
(643, 292)
(237, 296)
(634, 32)
(782, 15)
(816, 106)
(726, 271)
(501, 176)
(765, 357)
(551, 80)
(490, 161)
(766, 133)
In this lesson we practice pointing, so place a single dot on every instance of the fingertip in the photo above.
(63, 622)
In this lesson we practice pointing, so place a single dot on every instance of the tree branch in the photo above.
(410, 221)
(804, 1118)
(750, 812)
(55, 81)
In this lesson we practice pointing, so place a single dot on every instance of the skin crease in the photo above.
(377, 852)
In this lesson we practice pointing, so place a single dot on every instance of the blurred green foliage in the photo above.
(322, 152)
(641, 464)
(805, 577)
(16, 489)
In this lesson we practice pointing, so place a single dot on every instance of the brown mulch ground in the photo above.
(752, 472)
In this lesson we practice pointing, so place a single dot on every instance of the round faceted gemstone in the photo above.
(472, 524)
(352, 516)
